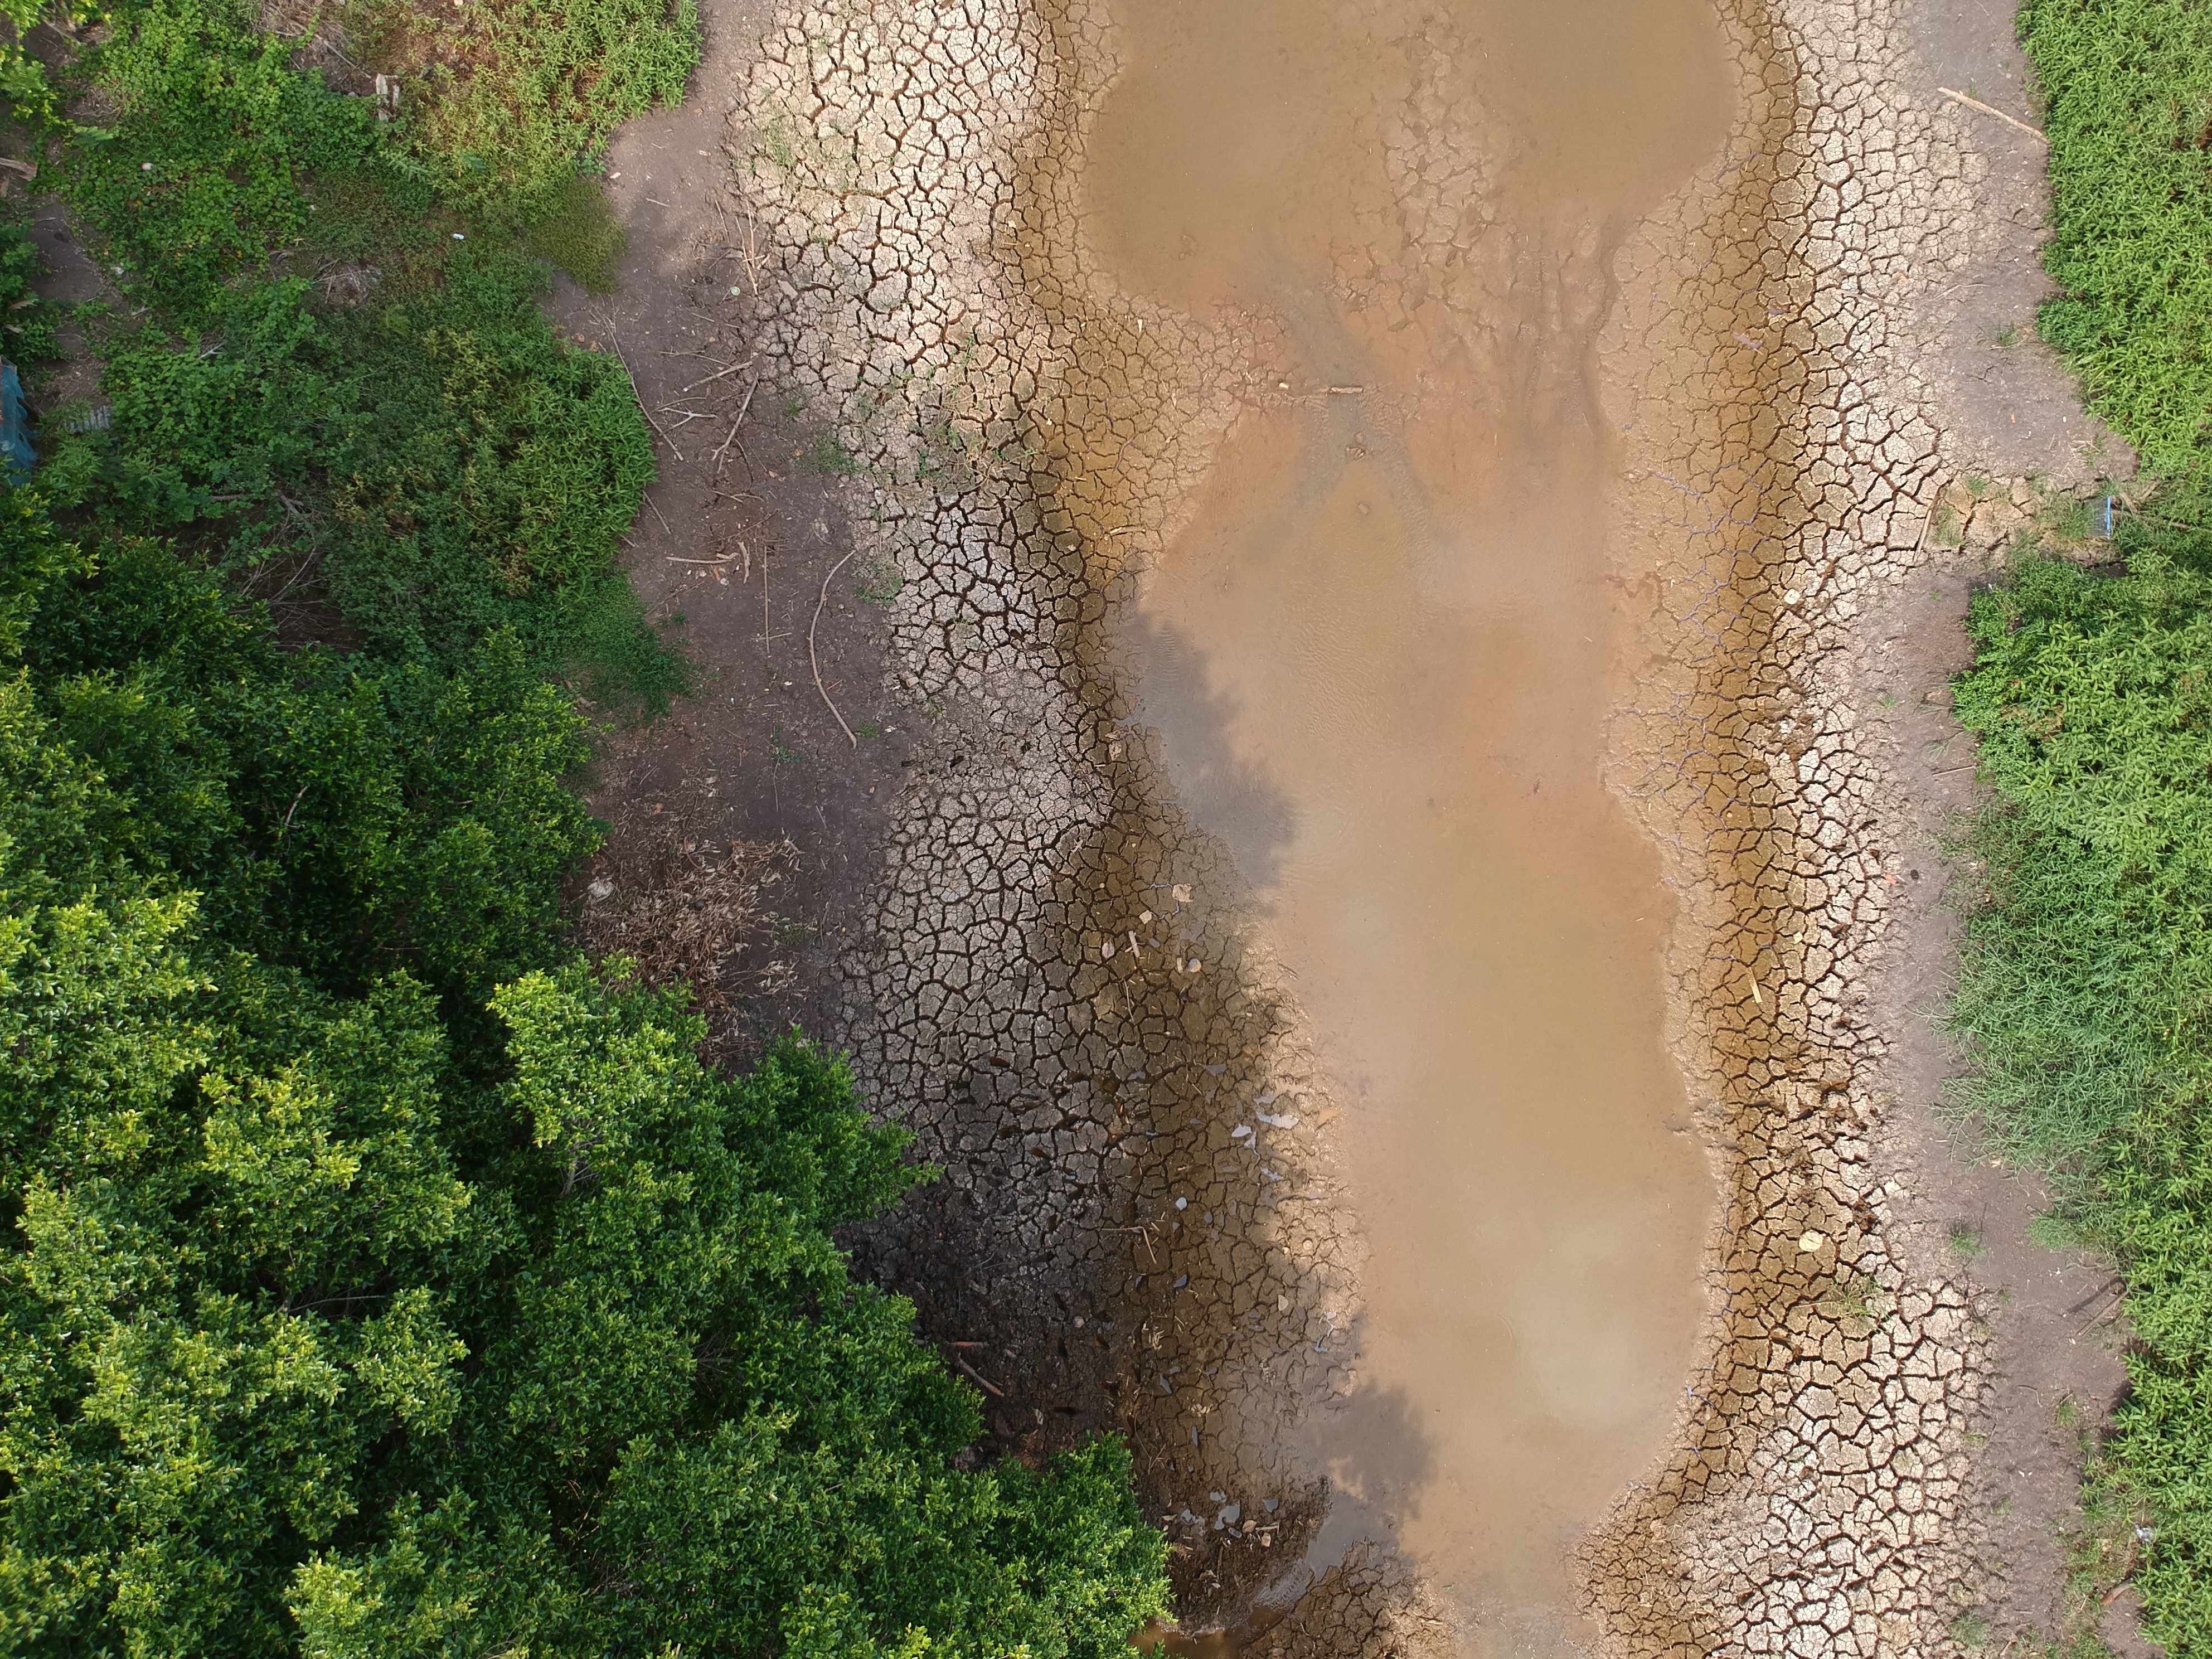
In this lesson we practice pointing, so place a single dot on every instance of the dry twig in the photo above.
(734, 425)
(810, 660)
(977, 1377)
(734, 368)
(2035, 133)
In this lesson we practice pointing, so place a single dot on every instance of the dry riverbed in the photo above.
(941, 452)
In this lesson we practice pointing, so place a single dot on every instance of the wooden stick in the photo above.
(975, 1376)
(2010, 120)
(811, 662)
(734, 425)
(1928, 523)
(733, 369)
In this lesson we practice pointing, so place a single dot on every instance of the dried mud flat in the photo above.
(1054, 977)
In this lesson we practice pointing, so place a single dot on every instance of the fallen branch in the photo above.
(733, 369)
(641, 409)
(2035, 133)
(977, 1377)
(816, 666)
(1935, 505)
(734, 425)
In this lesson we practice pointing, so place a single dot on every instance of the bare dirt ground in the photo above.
(2011, 416)
(758, 537)
(733, 550)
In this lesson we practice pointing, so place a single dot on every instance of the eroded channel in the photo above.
(1380, 650)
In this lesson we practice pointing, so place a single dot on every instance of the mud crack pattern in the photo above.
(1057, 991)
(1781, 448)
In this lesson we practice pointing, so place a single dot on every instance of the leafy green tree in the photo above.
(383, 1280)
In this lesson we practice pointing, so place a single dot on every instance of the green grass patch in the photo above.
(2086, 985)
(500, 98)
(579, 233)
(2127, 91)
(2086, 972)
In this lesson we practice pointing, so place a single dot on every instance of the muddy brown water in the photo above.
(1380, 652)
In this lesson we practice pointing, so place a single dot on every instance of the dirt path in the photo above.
(1060, 982)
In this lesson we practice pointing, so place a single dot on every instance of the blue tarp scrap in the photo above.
(17, 455)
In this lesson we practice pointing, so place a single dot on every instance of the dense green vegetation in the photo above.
(2087, 987)
(387, 1282)
(381, 1278)
(510, 92)
(2088, 982)
(424, 460)
(2128, 92)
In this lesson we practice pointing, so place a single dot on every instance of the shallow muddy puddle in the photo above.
(1380, 654)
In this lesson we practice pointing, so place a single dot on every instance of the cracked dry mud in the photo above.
(1065, 982)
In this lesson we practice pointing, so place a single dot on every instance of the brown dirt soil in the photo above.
(752, 539)
(2014, 417)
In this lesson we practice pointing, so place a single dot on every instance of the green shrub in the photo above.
(211, 431)
(199, 177)
(378, 1279)
(2127, 89)
(493, 476)
(2086, 984)
(501, 98)
(343, 818)
(434, 461)
(30, 92)
(444, 467)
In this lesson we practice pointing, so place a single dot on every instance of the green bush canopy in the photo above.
(384, 1281)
